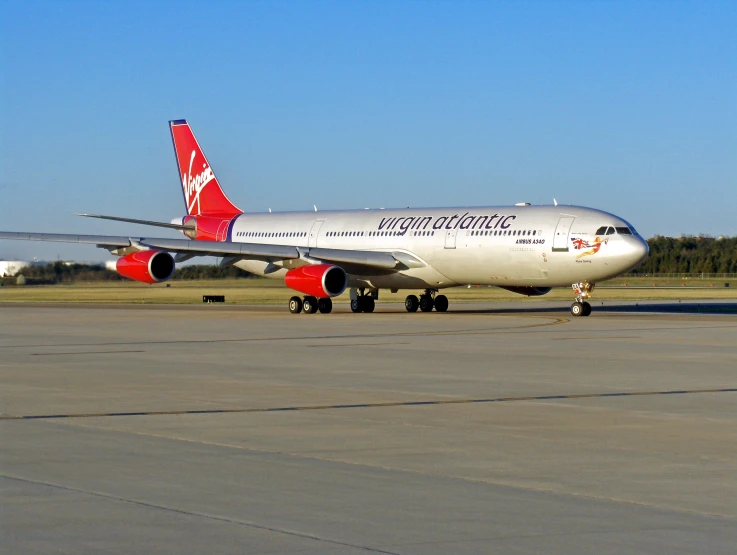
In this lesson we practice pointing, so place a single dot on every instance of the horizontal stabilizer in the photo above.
(178, 227)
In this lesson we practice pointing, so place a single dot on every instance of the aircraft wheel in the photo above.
(356, 304)
(309, 305)
(577, 309)
(368, 304)
(426, 303)
(325, 306)
(586, 309)
(295, 305)
(411, 303)
(441, 303)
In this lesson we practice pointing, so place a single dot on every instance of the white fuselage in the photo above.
(539, 246)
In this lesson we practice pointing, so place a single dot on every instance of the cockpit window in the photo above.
(610, 230)
(624, 231)
(601, 230)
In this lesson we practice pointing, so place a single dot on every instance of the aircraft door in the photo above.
(314, 231)
(450, 238)
(560, 239)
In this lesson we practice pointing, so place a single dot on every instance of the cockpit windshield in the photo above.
(609, 230)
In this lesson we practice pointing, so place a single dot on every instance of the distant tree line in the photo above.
(690, 255)
(61, 272)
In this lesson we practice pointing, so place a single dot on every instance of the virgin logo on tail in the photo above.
(193, 185)
(202, 193)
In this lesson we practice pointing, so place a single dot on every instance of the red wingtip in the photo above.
(203, 195)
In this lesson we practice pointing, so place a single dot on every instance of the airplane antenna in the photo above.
(555, 202)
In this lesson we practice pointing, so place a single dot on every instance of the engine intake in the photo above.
(318, 280)
(146, 266)
(529, 291)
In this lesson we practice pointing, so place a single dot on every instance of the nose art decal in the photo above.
(581, 244)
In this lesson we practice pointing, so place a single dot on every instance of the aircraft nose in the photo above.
(640, 250)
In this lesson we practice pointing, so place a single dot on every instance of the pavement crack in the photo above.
(219, 518)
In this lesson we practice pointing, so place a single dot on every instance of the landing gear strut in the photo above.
(582, 291)
(427, 301)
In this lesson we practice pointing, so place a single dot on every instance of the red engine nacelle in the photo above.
(529, 291)
(319, 280)
(146, 266)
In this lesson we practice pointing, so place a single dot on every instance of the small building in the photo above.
(9, 268)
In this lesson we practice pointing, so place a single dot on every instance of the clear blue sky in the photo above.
(629, 107)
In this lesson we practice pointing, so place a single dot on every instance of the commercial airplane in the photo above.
(522, 248)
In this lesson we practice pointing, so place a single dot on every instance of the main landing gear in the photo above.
(310, 305)
(362, 302)
(582, 291)
(427, 301)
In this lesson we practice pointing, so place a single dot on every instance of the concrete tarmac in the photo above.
(216, 429)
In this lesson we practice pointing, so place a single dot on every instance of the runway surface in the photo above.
(217, 429)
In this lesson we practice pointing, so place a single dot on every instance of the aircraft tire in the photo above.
(309, 305)
(368, 304)
(325, 306)
(586, 309)
(295, 305)
(426, 303)
(356, 305)
(441, 303)
(411, 303)
(577, 309)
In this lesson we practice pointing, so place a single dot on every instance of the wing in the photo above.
(359, 261)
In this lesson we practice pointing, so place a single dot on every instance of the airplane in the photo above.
(522, 248)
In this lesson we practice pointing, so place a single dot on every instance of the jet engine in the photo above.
(529, 291)
(146, 266)
(318, 280)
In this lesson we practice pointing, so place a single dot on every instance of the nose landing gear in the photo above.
(582, 291)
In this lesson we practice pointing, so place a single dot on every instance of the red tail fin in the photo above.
(202, 193)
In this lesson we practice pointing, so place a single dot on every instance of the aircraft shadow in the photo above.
(639, 307)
